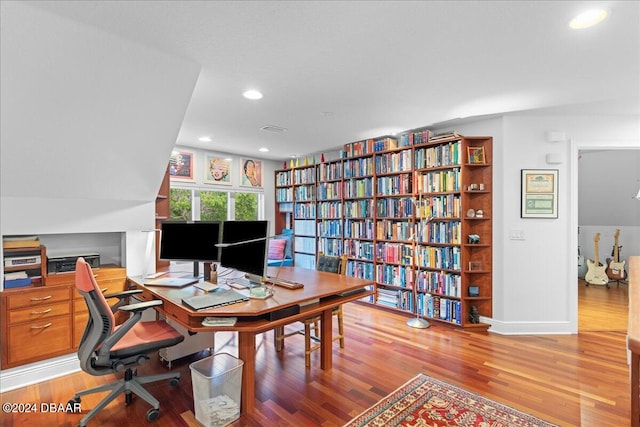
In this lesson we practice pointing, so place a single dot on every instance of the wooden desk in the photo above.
(633, 337)
(322, 292)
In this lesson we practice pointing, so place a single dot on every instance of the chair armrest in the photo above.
(123, 294)
(140, 306)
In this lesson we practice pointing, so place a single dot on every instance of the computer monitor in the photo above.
(250, 251)
(190, 241)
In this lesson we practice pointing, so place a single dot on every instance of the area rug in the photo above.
(426, 401)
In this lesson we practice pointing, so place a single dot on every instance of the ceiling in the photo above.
(334, 72)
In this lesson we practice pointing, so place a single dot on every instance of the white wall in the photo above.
(88, 121)
(535, 279)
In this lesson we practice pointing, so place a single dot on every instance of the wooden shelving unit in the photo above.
(415, 216)
(162, 214)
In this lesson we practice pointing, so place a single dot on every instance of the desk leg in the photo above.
(635, 388)
(326, 339)
(247, 353)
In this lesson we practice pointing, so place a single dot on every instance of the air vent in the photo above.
(273, 128)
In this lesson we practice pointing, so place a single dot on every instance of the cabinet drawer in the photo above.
(38, 313)
(69, 278)
(109, 286)
(38, 340)
(36, 297)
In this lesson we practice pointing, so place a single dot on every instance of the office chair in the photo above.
(311, 330)
(108, 348)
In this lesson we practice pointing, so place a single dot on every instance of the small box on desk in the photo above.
(17, 283)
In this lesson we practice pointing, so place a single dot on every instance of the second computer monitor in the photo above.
(244, 247)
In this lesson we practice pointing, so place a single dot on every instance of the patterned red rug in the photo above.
(426, 401)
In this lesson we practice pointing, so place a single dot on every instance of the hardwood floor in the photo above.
(576, 380)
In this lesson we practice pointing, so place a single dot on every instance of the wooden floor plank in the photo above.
(572, 380)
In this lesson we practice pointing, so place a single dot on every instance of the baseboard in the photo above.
(531, 328)
(33, 373)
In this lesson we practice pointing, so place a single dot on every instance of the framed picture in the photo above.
(250, 173)
(476, 155)
(181, 165)
(217, 170)
(539, 194)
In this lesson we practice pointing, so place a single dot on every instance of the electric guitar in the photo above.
(615, 267)
(596, 273)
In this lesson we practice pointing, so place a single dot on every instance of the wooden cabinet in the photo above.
(111, 279)
(36, 324)
(43, 322)
(415, 217)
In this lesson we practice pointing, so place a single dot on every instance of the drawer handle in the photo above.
(48, 310)
(42, 298)
(103, 290)
(42, 327)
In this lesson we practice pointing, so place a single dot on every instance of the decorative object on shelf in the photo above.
(479, 213)
(474, 239)
(292, 164)
(476, 155)
(539, 194)
(475, 265)
(474, 316)
(471, 213)
(474, 291)
(322, 157)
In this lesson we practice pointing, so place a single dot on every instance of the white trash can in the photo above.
(217, 385)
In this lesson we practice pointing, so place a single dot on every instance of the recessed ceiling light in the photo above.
(588, 19)
(204, 139)
(252, 94)
(263, 150)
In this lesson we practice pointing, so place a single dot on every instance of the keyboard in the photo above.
(214, 299)
(284, 283)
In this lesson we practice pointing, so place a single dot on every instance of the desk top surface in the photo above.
(318, 285)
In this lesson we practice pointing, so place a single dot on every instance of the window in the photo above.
(246, 206)
(213, 205)
(180, 204)
(194, 204)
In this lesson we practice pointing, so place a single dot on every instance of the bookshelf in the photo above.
(394, 224)
(412, 213)
(304, 216)
(329, 226)
(162, 214)
(359, 231)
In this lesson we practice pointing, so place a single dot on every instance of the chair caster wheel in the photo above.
(73, 402)
(153, 414)
(173, 382)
